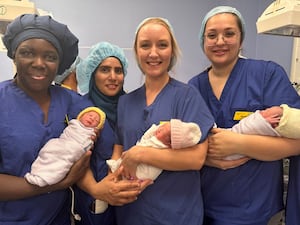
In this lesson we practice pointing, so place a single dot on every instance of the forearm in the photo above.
(225, 164)
(191, 158)
(268, 148)
(14, 188)
(117, 152)
(87, 182)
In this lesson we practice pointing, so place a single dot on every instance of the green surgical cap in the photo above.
(218, 10)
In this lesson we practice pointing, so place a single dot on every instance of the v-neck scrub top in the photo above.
(23, 133)
(175, 196)
(251, 193)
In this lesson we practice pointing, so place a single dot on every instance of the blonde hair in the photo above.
(164, 22)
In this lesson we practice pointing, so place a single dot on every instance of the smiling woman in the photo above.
(233, 86)
(101, 75)
(161, 98)
(38, 54)
(36, 61)
(32, 112)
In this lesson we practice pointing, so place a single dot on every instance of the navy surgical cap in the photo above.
(97, 54)
(28, 26)
(218, 10)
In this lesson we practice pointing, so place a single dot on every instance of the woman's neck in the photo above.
(222, 71)
(42, 98)
(218, 76)
(154, 86)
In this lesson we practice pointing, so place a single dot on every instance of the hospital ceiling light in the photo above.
(282, 17)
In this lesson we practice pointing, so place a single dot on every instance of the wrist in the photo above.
(139, 156)
(241, 141)
(87, 185)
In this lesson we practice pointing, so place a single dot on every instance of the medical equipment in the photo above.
(10, 9)
(282, 17)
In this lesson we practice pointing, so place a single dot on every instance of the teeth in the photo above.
(38, 77)
(153, 64)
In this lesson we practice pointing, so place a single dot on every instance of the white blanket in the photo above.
(59, 154)
(143, 171)
(289, 126)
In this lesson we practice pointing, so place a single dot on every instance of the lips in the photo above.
(153, 63)
(220, 51)
(38, 77)
(112, 86)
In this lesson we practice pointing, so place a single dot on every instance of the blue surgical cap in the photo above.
(97, 54)
(28, 26)
(218, 10)
(61, 77)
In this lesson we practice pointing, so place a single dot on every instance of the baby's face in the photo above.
(90, 119)
(163, 133)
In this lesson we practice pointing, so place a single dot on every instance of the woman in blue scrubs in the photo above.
(175, 196)
(246, 191)
(32, 112)
(101, 75)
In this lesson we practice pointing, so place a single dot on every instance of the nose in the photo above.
(112, 75)
(38, 61)
(220, 40)
(153, 51)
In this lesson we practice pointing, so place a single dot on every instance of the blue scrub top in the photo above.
(293, 193)
(250, 193)
(175, 196)
(23, 133)
(101, 152)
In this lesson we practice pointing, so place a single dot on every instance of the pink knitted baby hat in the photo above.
(184, 134)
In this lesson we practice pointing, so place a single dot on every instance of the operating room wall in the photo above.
(116, 20)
